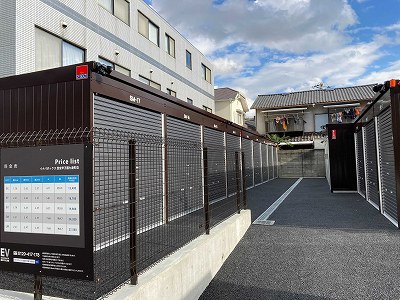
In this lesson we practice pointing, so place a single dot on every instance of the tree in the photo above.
(278, 140)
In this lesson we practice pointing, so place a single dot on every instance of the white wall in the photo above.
(136, 52)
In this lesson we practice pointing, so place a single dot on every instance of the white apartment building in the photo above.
(127, 34)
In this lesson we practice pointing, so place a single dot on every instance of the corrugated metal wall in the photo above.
(386, 161)
(136, 120)
(271, 162)
(183, 163)
(264, 156)
(360, 162)
(232, 147)
(248, 160)
(371, 164)
(214, 141)
(257, 163)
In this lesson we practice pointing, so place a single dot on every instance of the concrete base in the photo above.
(185, 274)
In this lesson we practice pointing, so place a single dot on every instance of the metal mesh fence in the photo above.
(149, 200)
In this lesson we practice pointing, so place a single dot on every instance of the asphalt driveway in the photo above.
(322, 246)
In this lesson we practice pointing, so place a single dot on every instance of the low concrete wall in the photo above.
(185, 274)
(301, 163)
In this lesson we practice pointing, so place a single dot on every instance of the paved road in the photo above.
(322, 246)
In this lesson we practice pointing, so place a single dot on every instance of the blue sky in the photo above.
(269, 46)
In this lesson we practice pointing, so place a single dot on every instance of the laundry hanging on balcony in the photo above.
(347, 114)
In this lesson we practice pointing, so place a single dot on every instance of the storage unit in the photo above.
(183, 163)
(264, 157)
(214, 141)
(378, 151)
(360, 163)
(257, 163)
(232, 158)
(387, 165)
(137, 139)
(342, 165)
(248, 160)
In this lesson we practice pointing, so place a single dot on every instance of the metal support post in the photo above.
(205, 191)
(132, 212)
(244, 182)
(237, 167)
(38, 288)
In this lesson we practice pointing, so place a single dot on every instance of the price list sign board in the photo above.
(46, 210)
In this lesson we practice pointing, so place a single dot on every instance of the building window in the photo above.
(150, 82)
(190, 101)
(115, 67)
(240, 119)
(206, 73)
(53, 52)
(148, 29)
(171, 92)
(207, 109)
(188, 59)
(119, 8)
(170, 45)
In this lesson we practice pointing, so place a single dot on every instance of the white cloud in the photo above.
(267, 46)
(391, 72)
(286, 25)
(338, 68)
(226, 66)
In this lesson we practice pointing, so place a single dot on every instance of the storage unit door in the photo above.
(386, 161)
(111, 185)
(276, 166)
(232, 147)
(360, 162)
(248, 161)
(214, 141)
(371, 164)
(185, 184)
(264, 155)
(271, 162)
(257, 163)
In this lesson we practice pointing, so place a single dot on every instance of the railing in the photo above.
(151, 196)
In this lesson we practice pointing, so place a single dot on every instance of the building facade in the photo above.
(127, 35)
(299, 113)
(231, 105)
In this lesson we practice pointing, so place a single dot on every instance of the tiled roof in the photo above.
(339, 95)
(225, 93)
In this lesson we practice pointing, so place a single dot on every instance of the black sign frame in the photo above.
(50, 254)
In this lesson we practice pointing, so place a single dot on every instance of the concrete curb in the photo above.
(185, 274)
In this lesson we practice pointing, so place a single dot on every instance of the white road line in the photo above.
(266, 214)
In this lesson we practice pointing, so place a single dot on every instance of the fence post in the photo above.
(132, 211)
(38, 288)
(244, 182)
(237, 167)
(205, 191)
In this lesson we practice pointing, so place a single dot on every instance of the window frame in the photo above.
(61, 43)
(168, 40)
(147, 33)
(205, 73)
(171, 92)
(207, 109)
(113, 10)
(189, 54)
(113, 65)
(149, 82)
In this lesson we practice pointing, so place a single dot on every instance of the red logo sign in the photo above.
(334, 134)
(82, 72)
